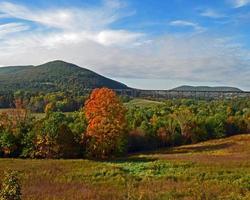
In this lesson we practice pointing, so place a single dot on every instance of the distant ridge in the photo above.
(63, 76)
(207, 89)
(53, 76)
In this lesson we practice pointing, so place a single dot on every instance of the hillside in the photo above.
(53, 76)
(206, 88)
(233, 150)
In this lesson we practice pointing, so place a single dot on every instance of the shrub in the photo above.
(7, 143)
(11, 188)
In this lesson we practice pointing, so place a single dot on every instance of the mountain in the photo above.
(53, 76)
(207, 88)
(62, 76)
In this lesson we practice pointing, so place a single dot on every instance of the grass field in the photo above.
(144, 103)
(217, 169)
(33, 114)
(36, 115)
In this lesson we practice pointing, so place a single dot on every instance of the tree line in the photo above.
(36, 102)
(104, 127)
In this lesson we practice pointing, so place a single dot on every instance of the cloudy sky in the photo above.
(151, 44)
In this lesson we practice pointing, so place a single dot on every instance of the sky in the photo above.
(148, 44)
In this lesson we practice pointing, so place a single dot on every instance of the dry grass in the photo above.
(217, 169)
(234, 150)
(36, 115)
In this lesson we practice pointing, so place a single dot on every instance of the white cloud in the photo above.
(74, 24)
(9, 28)
(173, 58)
(212, 14)
(240, 3)
(183, 23)
(70, 18)
(110, 37)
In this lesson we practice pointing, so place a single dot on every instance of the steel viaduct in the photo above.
(172, 94)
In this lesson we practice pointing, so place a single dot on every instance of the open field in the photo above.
(36, 115)
(217, 169)
(143, 103)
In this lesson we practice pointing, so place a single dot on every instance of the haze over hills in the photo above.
(62, 76)
(53, 76)
(207, 88)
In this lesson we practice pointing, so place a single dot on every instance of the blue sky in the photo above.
(144, 43)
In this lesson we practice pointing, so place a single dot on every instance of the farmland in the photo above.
(216, 169)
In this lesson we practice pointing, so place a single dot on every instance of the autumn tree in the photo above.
(53, 138)
(50, 107)
(105, 114)
(168, 129)
(186, 120)
(14, 124)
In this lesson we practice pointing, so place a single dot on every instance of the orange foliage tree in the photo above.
(106, 133)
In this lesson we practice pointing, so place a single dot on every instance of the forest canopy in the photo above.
(114, 127)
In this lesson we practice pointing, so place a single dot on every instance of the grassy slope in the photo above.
(143, 103)
(217, 169)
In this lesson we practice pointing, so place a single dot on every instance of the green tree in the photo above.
(53, 137)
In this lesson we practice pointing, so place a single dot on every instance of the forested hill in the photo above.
(65, 77)
(53, 76)
(207, 89)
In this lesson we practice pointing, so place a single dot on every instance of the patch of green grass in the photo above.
(144, 103)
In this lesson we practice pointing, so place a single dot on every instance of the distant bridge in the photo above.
(172, 94)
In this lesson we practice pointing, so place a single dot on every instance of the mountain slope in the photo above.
(206, 88)
(53, 76)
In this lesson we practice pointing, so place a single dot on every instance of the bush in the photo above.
(11, 188)
(7, 143)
